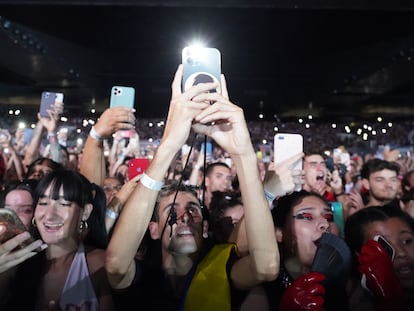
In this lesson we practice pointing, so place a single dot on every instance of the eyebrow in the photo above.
(326, 209)
(191, 203)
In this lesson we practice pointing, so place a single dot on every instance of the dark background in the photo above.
(336, 60)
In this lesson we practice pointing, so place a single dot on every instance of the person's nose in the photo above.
(323, 224)
(184, 217)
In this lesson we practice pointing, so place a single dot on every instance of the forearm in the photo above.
(134, 220)
(262, 245)
(32, 150)
(92, 165)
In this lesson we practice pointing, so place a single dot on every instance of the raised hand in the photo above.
(10, 256)
(376, 265)
(305, 293)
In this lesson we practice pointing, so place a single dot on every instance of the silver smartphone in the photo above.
(47, 101)
(201, 65)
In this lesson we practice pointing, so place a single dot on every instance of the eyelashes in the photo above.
(309, 217)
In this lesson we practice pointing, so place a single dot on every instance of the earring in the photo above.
(34, 222)
(83, 226)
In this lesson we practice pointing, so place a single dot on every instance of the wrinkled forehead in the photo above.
(314, 158)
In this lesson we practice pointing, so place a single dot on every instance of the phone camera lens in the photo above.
(190, 61)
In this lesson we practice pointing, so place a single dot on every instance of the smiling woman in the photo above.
(69, 218)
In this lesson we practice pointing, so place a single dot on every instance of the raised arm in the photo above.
(136, 214)
(225, 123)
(93, 164)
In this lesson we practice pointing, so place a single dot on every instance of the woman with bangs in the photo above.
(69, 218)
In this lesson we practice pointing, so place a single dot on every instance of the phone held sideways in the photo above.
(13, 224)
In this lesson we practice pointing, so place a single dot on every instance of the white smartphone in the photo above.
(201, 65)
(122, 96)
(287, 145)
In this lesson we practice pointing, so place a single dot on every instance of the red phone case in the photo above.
(137, 166)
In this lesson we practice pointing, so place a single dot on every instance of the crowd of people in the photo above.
(224, 229)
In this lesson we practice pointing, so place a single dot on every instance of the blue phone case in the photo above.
(201, 65)
(122, 96)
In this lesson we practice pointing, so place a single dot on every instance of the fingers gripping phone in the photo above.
(13, 224)
(201, 65)
(287, 145)
(122, 96)
(388, 249)
(47, 100)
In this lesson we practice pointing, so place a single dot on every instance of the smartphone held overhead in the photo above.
(49, 101)
(122, 96)
(287, 145)
(201, 65)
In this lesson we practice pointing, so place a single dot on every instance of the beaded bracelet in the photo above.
(95, 135)
(111, 214)
(150, 183)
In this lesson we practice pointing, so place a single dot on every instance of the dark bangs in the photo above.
(76, 188)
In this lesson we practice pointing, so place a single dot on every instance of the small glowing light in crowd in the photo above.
(374, 132)
(64, 119)
(90, 121)
(160, 124)
(264, 141)
(307, 125)
(275, 129)
(32, 125)
(327, 153)
(347, 129)
(384, 131)
(310, 117)
(359, 131)
(93, 110)
(333, 125)
(365, 126)
(389, 124)
(365, 136)
(150, 140)
(150, 124)
(300, 120)
(79, 141)
(21, 125)
(17, 112)
(261, 116)
(85, 123)
(78, 131)
(379, 119)
(10, 111)
(369, 128)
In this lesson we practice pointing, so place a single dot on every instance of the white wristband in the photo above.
(150, 183)
(111, 214)
(95, 135)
